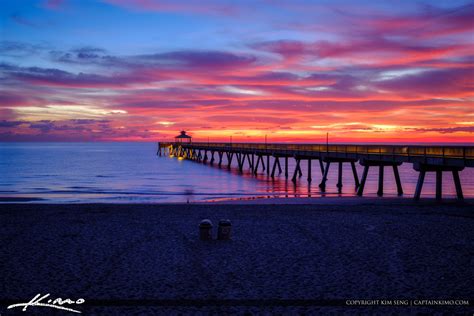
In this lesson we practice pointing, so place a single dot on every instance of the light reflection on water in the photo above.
(131, 172)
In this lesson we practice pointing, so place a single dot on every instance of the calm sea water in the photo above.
(131, 172)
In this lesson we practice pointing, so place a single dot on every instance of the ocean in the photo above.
(119, 172)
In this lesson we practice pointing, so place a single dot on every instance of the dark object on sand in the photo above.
(225, 227)
(205, 229)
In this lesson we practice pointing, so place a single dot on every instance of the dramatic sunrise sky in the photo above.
(399, 71)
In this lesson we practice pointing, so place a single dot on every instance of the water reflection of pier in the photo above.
(425, 159)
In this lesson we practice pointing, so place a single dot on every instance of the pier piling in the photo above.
(322, 185)
(397, 180)
(438, 169)
(339, 177)
(268, 165)
(297, 170)
(354, 173)
(309, 171)
(380, 189)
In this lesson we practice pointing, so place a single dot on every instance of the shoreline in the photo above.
(259, 200)
(343, 200)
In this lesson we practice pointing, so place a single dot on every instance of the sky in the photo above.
(123, 70)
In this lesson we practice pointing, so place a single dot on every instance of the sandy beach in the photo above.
(283, 258)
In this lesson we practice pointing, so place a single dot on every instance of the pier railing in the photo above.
(460, 152)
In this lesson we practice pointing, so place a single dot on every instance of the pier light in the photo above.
(183, 138)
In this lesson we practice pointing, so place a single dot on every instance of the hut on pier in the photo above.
(183, 138)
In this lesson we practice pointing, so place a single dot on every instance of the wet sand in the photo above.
(293, 258)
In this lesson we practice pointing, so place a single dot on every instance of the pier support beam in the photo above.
(360, 189)
(230, 156)
(159, 150)
(297, 170)
(381, 164)
(457, 184)
(354, 173)
(249, 162)
(322, 185)
(212, 158)
(340, 162)
(339, 177)
(286, 167)
(424, 168)
(255, 169)
(253, 163)
(276, 163)
(380, 189)
(321, 165)
(309, 171)
(419, 184)
(397, 180)
(221, 153)
(439, 184)
(259, 159)
(268, 165)
(274, 167)
(199, 156)
(240, 161)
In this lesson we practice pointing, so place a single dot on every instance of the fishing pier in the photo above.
(271, 158)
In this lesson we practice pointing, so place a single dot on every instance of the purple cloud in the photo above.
(4, 123)
(11, 99)
(455, 82)
(286, 48)
(57, 77)
(198, 59)
(20, 49)
(447, 130)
